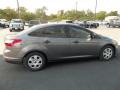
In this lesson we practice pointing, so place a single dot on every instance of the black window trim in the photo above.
(30, 34)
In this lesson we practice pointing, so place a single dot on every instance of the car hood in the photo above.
(16, 23)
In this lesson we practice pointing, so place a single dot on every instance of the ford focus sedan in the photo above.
(43, 43)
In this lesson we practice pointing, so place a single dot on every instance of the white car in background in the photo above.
(16, 24)
(4, 23)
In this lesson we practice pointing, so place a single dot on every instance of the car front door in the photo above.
(81, 42)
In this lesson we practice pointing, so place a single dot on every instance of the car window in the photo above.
(34, 22)
(52, 31)
(16, 21)
(76, 32)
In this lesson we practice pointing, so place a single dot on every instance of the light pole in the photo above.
(95, 8)
(76, 8)
(76, 5)
(18, 9)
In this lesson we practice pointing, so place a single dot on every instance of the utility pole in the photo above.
(76, 6)
(95, 9)
(18, 9)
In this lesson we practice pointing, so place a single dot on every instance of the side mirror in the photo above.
(90, 37)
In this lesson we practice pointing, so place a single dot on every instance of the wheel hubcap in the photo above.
(35, 61)
(107, 53)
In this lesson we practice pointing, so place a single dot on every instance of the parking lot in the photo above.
(80, 74)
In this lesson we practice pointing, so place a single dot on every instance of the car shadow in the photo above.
(6, 67)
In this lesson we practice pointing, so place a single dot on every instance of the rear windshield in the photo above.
(69, 21)
(34, 22)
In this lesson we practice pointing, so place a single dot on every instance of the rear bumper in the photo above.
(12, 60)
(117, 52)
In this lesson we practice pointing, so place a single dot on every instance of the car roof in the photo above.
(16, 19)
(31, 29)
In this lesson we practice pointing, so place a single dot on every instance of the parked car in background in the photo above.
(81, 24)
(26, 23)
(113, 23)
(88, 24)
(66, 21)
(40, 44)
(34, 22)
(92, 24)
(4, 23)
(16, 25)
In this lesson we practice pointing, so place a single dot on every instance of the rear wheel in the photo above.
(107, 53)
(10, 30)
(34, 61)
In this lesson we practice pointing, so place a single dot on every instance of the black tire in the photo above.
(10, 30)
(102, 56)
(23, 28)
(27, 58)
(108, 25)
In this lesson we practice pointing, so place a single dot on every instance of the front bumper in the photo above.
(18, 28)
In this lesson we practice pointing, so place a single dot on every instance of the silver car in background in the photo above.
(16, 25)
(43, 43)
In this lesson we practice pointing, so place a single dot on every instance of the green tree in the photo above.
(25, 15)
(52, 17)
(41, 13)
(23, 12)
(113, 13)
(60, 14)
(90, 15)
(71, 15)
(9, 13)
(101, 15)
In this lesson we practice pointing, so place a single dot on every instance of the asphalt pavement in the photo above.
(72, 74)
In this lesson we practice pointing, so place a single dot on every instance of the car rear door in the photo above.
(57, 43)
(54, 40)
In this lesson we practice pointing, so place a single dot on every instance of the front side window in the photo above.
(76, 32)
(51, 31)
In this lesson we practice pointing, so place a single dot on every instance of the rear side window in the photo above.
(51, 31)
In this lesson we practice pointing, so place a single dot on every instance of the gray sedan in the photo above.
(43, 43)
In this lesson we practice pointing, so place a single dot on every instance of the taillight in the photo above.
(12, 41)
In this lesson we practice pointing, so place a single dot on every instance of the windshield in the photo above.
(16, 21)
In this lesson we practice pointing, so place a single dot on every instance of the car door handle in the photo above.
(46, 41)
(75, 41)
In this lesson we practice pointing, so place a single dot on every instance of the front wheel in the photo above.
(107, 53)
(108, 25)
(34, 61)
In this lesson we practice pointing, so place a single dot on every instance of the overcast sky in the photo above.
(54, 5)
